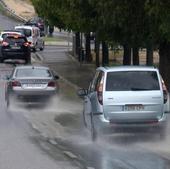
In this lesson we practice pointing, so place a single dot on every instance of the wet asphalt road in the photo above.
(22, 148)
(117, 151)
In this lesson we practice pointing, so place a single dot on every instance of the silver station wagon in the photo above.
(125, 96)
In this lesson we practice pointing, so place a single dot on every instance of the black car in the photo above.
(15, 47)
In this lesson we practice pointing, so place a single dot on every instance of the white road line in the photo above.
(69, 154)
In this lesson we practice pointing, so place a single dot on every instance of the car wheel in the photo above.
(93, 129)
(42, 48)
(1, 60)
(34, 49)
(28, 61)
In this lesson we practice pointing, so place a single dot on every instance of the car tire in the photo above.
(34, 49)
(28, 60)
(94, 134)
(1, 60)
(42, 48)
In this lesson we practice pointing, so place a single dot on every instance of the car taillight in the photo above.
(51, 84)
(5, 43)
(165, 92)
(26, 44)
(16, 83)
(100, 90)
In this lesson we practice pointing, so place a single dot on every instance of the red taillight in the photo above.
(165, 92)
(100, 90)
(5, 43)
(51, 84)
(16, 83)
(26, 44)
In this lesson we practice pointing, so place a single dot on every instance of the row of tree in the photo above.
(132, 24)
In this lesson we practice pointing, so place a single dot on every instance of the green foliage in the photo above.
(132, 22)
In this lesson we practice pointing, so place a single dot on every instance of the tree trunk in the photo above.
(135, 56)
(105, 54)
(88, 48)
(164, 62)
(77, 43)
(127, 55)
(149, 55)
(97, 51)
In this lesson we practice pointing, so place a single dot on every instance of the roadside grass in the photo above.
(1, 8)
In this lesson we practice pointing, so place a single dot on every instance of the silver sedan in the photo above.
(31, 83)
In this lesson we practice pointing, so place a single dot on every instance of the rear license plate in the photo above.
(33, 85)
(135, 107)
(15, 47)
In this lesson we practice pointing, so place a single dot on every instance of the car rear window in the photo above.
(132, 81)
(26, 32)
(33, 72)
(12, 40)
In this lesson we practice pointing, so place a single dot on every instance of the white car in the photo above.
(125, 97)
(33, 36)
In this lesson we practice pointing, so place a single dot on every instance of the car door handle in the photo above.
(85, 101)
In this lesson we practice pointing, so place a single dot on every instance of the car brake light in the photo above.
(51, 84)
(26, 44)
(100, 90)
(5, 43)
(16, 83)
(165, 92)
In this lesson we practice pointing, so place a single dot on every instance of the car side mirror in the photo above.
(56, 77)
(82, 92)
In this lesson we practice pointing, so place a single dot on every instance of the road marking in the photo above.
(53, 142)
(69, 154)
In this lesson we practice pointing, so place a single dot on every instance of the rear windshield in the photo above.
(12, 40)
(132, 81)
(26, 32)
(33, 72)
(7, 34)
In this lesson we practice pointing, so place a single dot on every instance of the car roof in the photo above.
(26, 27)
(127, 68)
(31, 66)
(8, 31)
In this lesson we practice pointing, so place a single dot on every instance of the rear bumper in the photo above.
(36, 92)
(15, 55)
(105, 124)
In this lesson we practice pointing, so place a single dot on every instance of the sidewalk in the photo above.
(76, 74)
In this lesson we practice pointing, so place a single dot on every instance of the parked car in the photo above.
(33, 35)
(125, 97)
(15, 47)
(31, 83)
(5, 33)
(38, 22)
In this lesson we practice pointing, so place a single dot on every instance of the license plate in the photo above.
(16, 47)
(33, 85)
(138, 107)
